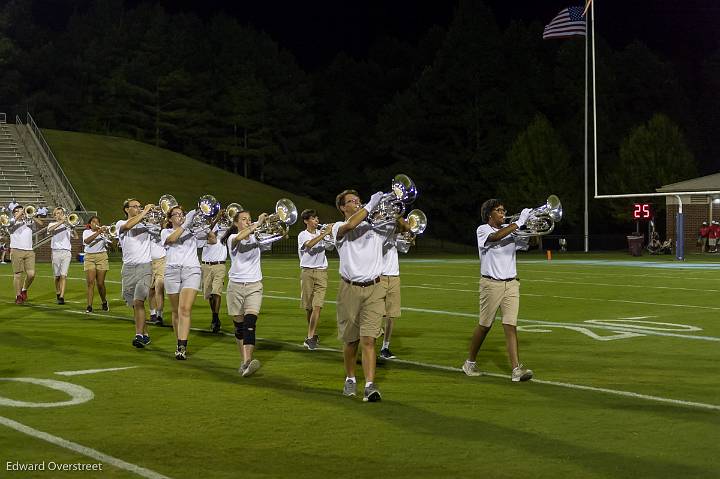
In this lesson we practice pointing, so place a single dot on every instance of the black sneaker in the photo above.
(145, 339)
(385, 353)
(215, 326)
(153, 319)
(159, 321)
(88, 309)
(310, 343)
(105, 306)
(317, 339)
(61, 300)
(138, 341)
(181, 353)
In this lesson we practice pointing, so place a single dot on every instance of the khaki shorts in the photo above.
(135, 282)
(503, 295)
(359, 311)
(213, 279)
(96, 261)
(244, 298)
(392, 295)
(22, 260)
(61, 262)
(158, 272)
(313, 284)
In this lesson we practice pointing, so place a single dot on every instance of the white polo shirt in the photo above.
(21, 238)
(157, 250)
(135, 243)
(60, 237)
(497, 259)
(213, 253)
(182, 252)
(314, 257)
(391, 265)
(361, 251)
(245, 260)
(95, 246)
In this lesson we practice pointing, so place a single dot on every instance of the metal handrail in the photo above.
(54, 162)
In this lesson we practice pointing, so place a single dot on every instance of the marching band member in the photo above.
(137, 264)
(96, 263)
(391, 281)
(182, 272)
(361, 297)
(499, 285)
(22, 255)
(213, 257)
(245, 288)
(157, 282)
(61, 232)
(313, 275)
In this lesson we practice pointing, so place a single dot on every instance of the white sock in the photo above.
(471, 363)
(159, 312)
(350, 378)
(386, 345)
(368, 383)
(152, 312)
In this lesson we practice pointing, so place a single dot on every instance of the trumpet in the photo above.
(402, 193)
(4, 220)
(109, 233)
(278, 224)
(156, 216)
(328, 238)
(73, 219)
(418, 222)
(227, 219)
(542, 219)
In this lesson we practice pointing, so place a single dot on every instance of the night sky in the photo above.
(684, 31)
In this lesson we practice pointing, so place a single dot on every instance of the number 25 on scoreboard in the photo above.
(642, 211)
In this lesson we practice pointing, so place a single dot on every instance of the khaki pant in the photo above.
(213, 279)
(359, 311)
(22, 260)
(313, 285)
(98, 261)
(158, 272)
(392, 295)
(503, 295)
(244, 298)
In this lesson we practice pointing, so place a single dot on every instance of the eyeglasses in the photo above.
(177, 214)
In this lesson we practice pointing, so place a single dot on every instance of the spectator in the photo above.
(703, 236)
(713, 235)
(42, 212)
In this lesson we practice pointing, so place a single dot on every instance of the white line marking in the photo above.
(85, 451)
(91, 371)
(78, 394)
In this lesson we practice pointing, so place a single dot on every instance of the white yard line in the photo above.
(91, 371)
(85, 451)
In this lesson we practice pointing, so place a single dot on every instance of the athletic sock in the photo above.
(350, 378)
(153, 312)
(182, 342)
(386, 345)
(368, 383)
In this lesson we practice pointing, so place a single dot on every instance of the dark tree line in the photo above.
(470, 111)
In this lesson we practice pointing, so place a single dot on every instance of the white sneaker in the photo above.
(471, 369)
(251, 367)
(521, 374)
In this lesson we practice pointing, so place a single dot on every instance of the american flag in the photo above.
(568, 22)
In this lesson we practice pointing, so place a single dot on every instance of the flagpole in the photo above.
(587, 239)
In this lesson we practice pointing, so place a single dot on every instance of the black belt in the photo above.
(495, 279)
(213, 263)
(364, 284)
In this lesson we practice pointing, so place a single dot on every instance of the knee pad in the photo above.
(239, 330)
(249, 336)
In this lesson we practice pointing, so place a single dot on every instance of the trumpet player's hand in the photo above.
(189, 217)
(524, 215)
(262, 218)
(374, 201)
(327, 229)
(147, 208)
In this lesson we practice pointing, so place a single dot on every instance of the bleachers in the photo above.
(17, 182)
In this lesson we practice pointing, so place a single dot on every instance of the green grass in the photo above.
(107, 170)
(199, 418)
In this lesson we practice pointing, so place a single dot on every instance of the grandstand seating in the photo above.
(18, 181)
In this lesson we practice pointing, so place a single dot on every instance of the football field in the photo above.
(624, 351)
